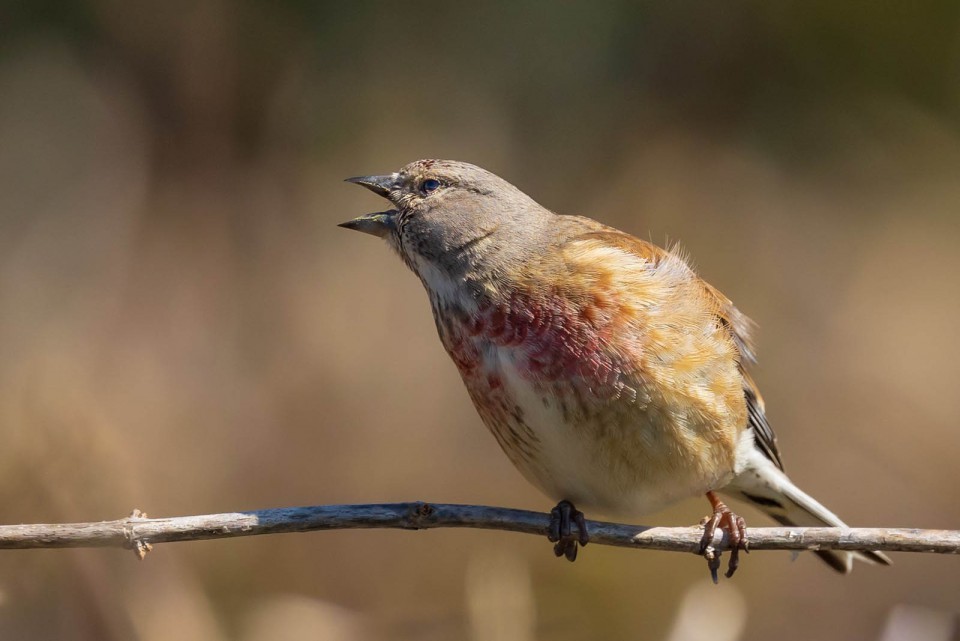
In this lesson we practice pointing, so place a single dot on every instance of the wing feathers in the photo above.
(737, 324)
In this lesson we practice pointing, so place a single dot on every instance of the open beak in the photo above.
(380, 223)
(380, 185)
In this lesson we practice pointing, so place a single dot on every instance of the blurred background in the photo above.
(185, 330)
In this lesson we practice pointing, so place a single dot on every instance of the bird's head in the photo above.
(450, 219)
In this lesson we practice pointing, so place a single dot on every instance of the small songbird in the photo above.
(613, 377)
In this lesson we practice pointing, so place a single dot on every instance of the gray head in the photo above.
(448, 216)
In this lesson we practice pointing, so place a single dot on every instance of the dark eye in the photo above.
(430, 184)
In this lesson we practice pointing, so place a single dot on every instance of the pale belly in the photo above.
(623, 455)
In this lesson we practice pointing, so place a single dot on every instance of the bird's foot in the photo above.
(736, 529)
(561, 531)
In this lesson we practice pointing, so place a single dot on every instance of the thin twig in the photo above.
(138, 532)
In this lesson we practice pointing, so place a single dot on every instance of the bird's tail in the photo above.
(767, 487)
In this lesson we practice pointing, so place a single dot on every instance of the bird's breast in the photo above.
(572, 412)
(548, 339)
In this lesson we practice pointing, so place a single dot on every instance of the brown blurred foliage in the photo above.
(185, 330)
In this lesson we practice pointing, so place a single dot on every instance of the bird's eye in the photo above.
(429, 185)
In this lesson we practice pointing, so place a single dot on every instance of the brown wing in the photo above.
(741, 328)
(737, 323)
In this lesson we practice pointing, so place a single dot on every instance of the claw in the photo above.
(553, 532)
(581, 522)
(560, 530)
(736, 529)
(713, 563)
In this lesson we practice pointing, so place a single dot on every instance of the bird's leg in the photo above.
(561, 530)
(736, 529)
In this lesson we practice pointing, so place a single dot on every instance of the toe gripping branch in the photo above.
(562, 519)
(736, 529)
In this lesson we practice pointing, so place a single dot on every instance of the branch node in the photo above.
(420, 513)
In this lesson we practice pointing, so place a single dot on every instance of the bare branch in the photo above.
(138, 533)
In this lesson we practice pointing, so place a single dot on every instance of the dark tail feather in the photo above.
(767, 487)
(839, 561)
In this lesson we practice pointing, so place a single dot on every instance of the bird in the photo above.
(613, 377)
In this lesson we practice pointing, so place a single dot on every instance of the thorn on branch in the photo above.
(141, 549)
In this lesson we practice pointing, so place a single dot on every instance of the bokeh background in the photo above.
(183, 328)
